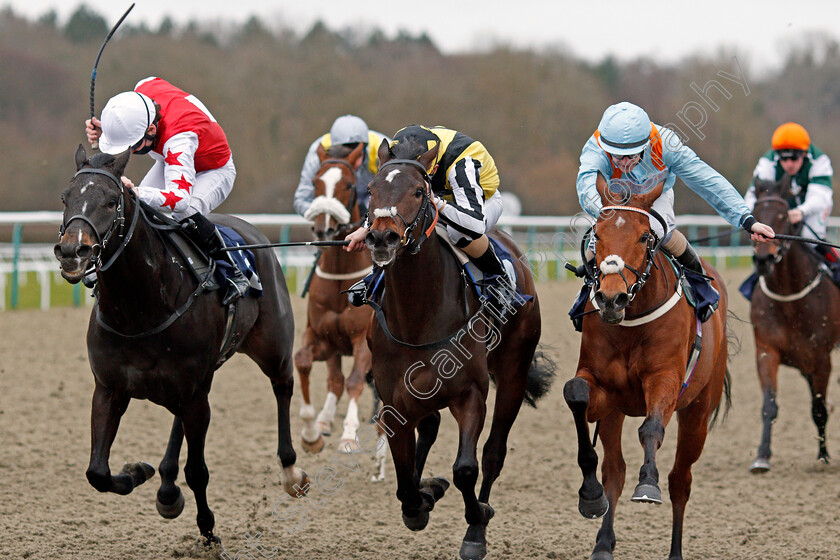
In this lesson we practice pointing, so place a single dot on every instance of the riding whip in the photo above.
(95, 143)
(291, 244)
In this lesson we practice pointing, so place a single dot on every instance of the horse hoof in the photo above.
(173, 510)
(313, 446)
(295, 482)
(324, 427)
(601, 555)
(437, 486)
(593, 509)
(760, 466)
(416, 523)
(349, 446)
(647, 494)
(139, 472)
(473, 550)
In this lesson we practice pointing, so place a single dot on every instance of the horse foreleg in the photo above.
(294, 480)
(427, 431)
(591, 503)
(661, 391)
(818, 383)
(335, 386)
(767, 361)
(355, 384)
(691, 437)
(196, 419)
(106, 411)
(416, 505)
(470, 413)
(613, 471)
(311, 438)
(170, 500)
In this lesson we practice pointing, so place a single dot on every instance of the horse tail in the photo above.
(541, 375)
(726, 401)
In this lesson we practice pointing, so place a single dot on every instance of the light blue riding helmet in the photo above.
(624, 129)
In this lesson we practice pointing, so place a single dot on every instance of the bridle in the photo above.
(413, 245)
(342, 229)
(784, 246)
(117, 224)
(653, 243)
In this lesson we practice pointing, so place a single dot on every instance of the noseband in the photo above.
(422, 213)
(118, 222)
(784, 246)
(651, 249)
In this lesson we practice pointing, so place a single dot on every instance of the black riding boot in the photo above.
(495, 272)
(690, 260)
(207, 237)
(360, 292)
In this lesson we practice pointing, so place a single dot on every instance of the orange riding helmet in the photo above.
(791, 136)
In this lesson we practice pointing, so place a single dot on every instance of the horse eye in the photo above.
(112, 203)
(645, 237)
(418, 193)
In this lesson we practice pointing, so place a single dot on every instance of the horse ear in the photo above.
(355, 157)
(647, 199)
(118, 166)
(784, 182)
(384, 152)
(322, 153)
(601, 185)
(81, 157)
(427, 159)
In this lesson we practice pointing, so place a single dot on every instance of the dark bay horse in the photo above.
(151, 337)
(795, 312)
(437, 347)
(634, 362)
(334, 328)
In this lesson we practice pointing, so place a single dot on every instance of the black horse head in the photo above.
(94, 206)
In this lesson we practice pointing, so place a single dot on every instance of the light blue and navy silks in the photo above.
(244, 260)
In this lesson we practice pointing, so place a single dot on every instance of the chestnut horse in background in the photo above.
(634, 362)
(435, 345)
(156, 334)
(334, 328)
(795, 314)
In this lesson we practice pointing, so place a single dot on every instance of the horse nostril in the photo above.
(57, 250)
(84, 251)
(622, 300)
(600, 299)
(392, 238)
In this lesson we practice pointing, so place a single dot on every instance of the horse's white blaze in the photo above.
(612, 264)
(385, 212)
(90, 184)
(391, 175)
(84, 207)
(331, 177)
(619, 222)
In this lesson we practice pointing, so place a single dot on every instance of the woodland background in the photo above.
(275, 91)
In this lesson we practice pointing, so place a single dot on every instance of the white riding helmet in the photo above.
(624, 129)
(125, 119)
(349, 129)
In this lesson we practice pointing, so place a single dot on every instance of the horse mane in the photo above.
(101, 160)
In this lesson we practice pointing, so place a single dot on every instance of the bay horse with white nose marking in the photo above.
(632, 366)
(155, 334)
(334, 328)
(428, 353)
(795, 312)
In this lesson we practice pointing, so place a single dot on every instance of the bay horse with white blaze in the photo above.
(429, 354)
(334, 328)
(634, 361)
(795, 312)
(155, 334)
